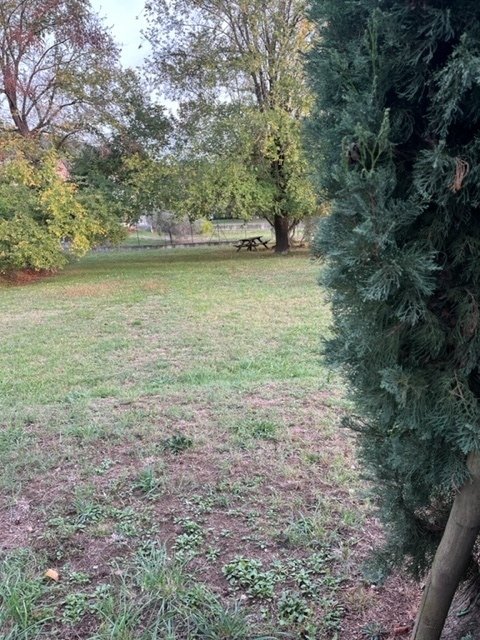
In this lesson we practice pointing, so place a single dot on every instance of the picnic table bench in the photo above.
(250, 244)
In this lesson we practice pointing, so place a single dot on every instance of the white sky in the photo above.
(126, 19)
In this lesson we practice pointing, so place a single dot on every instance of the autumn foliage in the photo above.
(43, 218)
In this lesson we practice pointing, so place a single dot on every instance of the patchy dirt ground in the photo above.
(170, 446)
(278, 487)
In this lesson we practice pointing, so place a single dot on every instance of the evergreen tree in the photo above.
(396, 140)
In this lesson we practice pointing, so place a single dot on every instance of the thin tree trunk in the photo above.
(452, 557)
(282, 240)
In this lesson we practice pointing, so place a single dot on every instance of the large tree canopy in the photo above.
(118, 166)
(58, 74)
(57, 63)
(246, 56)
(396, 137)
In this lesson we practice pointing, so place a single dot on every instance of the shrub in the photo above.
(42, 218)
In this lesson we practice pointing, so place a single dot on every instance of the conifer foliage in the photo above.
(396, 140)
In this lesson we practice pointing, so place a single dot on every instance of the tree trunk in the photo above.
(452, 557)
(282, 240)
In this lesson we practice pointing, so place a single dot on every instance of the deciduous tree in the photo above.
(57, 66)
(118, 165)
(42, 216)
(247, 55)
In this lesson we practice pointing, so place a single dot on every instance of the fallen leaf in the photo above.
(400, 631)
(52, 574)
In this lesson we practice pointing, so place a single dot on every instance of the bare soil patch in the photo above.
(246, 494)
(25, 276)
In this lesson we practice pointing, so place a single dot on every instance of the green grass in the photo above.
(120, 324)
(142, 238)
(164, 413)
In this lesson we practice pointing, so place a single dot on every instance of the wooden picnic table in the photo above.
(250, 244)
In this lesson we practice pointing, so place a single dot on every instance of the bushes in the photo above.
(41, 213)
(25, 244)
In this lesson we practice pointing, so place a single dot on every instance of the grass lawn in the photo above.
(169, 446)
(143, 238)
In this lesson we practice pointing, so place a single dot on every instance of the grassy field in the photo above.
(142, 237)
(170, 448)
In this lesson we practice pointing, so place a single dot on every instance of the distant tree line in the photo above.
(233, 148)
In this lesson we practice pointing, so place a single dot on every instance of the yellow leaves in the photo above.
(67, 218)
(19, 170)
(278, 136)
(41, 213)
(16, 157)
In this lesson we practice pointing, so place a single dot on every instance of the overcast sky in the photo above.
(126, 19)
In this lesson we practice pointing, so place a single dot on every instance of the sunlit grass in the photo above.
(126, 324)
(163, 412)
